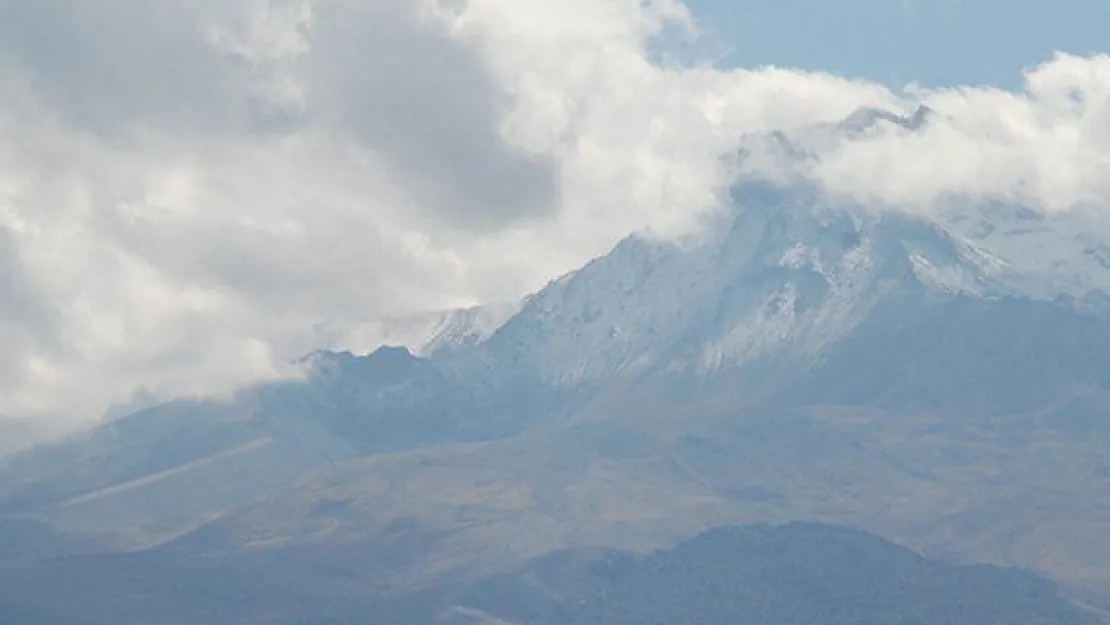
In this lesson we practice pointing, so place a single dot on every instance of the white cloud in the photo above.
(191, 190)
(1048, 146)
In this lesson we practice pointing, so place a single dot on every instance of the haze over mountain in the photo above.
(799, 573)
(799, 359)
(759, 322)
(187, 233)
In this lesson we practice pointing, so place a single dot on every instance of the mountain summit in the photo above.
(782, 275)
(928, 377)
(866, 118)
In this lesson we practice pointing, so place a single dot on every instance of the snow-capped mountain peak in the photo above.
(433, 333)
(785, 271)
(784, 274)
(867, 118)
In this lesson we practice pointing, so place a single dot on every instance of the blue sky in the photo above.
(932, 42)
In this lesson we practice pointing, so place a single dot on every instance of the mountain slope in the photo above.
(434, 333)
(798, 573)
(783, 279)
(805, 358)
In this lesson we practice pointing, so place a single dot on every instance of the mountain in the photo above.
(162, 470)
(434, 333)
(796, 573)
(1056, 254)
(868, 118)
(932, 379)
(787, 277)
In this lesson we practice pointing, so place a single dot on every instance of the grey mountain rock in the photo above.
(927, 378)
(435, 333)
(797, 573)
(868, 118)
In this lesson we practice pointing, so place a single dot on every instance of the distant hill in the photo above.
(796, 574)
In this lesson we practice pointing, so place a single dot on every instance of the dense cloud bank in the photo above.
(192, 193)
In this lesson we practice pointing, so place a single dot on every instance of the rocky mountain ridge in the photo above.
(925, 377)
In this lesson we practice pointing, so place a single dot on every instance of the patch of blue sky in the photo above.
(896, 42)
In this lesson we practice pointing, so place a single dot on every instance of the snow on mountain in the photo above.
(783, 272)
(868, 118)
(1053, 254)
(1046, 253)
(786, 271)
(433, 333)
(787, 276)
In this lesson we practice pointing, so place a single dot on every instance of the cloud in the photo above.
(193, 193)
(1047, 147)
(390, 76)
(27, 322)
